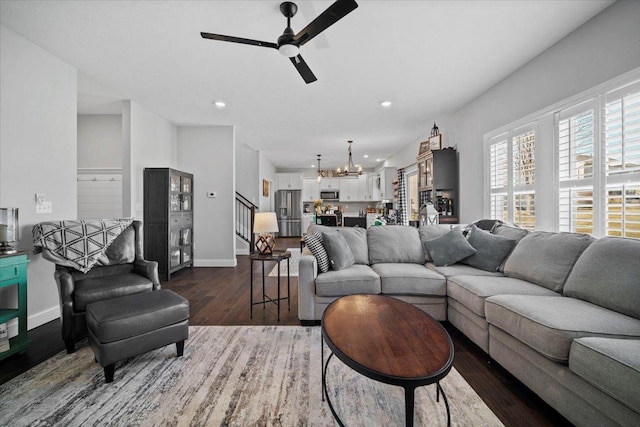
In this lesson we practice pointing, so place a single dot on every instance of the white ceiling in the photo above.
(427, 57)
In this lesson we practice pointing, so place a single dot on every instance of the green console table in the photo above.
(13, 272)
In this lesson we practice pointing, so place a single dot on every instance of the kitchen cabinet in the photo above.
(310, 189)
(387, 175)
(349, 189)
(168, 219)
(289, 181)
(330, 184)
(373, 191)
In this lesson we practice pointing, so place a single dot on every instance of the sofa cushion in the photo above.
(340, 256)
(550, 324)
(608, 274)
(545, 258)
(449, 248)
(394, 243)
(491, 249)
(96, 289)
(430, 232)
(357, 279)
(356, 238)
(512, 232)
(461, 270)
(612, 365)
(409, 279)
(472, 291)
(313, 241)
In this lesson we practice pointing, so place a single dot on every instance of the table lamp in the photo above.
(9, 230)
(265, 223)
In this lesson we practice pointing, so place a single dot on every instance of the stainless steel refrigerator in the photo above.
(289, 212)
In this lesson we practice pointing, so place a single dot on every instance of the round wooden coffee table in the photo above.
(390, 341)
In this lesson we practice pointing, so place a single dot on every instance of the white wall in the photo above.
(100, 141)
(148, 141)
(208, 152)
(38, 125)
(247, 170)
(266, 170)
(603, 48)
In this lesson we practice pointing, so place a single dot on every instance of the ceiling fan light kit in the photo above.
(289, 43)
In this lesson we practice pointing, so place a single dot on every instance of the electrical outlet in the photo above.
(44, 207)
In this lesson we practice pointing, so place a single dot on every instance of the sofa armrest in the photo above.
(307, 272)
(148, 269)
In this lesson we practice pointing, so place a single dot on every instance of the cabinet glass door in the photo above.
(186, 254)
(175, 258)
(174, 238)
(175, 183)
(186, 236)
(186, 185)
(428, 165)
(186, 202)
(175, 202)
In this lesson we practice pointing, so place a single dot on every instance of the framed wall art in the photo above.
(424, 148)
(265, 188)
(435, 142)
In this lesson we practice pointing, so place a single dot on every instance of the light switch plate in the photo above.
(44, 207)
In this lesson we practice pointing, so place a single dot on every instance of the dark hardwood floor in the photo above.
(220, 296)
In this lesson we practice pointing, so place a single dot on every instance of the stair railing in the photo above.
(245, 216)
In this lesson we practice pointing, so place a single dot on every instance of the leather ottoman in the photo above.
(123, 327)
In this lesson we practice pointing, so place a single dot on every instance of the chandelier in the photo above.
(349, 169)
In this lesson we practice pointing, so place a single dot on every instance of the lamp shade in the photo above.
(265, 222)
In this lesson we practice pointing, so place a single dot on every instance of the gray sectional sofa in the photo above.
(561, 312)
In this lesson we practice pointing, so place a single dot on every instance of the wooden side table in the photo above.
(13, 272)
(277, 256)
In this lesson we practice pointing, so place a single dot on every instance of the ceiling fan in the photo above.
(289, 43)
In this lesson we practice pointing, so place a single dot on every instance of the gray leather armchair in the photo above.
(120, 271)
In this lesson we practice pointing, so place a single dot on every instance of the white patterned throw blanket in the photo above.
(80, 242)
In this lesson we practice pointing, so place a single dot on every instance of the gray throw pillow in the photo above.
(512, 232)
(314, 242)
(449, 248)
(430, 232)
(491, 249)
(356, 238)
(340, 256)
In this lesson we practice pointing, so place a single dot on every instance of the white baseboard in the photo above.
(43, 317)
(215, 262)
(242, 251)
(34, 320)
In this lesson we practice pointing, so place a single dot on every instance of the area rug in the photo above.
(293, 263)
(228, 376)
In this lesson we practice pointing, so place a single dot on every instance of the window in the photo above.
(598, 166)
(576, 131)
(512, 169)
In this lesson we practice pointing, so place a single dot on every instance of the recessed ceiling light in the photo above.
(365, 156)
(220, 104)
(378, 160)
(313, 166)
(386, 103)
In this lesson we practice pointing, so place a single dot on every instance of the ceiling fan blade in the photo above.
(330, 16)
(303, 69)
(238, 40)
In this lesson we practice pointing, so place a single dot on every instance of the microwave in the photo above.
(330, 194)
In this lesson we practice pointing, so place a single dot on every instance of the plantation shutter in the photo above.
(622, 161)
(576, 163)
(523, 164)
(499, 177)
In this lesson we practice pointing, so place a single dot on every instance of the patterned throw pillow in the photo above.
(314, 243)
